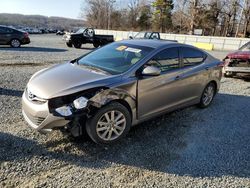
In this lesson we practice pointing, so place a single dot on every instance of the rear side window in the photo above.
(167, 59)
(2, 30)
(155, 36)
(5, 30)
(192, 56)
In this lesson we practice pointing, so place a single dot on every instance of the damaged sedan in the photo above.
(107, 91)
(238, 61)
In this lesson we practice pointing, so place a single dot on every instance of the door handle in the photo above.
(207, 68)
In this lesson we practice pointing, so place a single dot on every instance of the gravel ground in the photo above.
(186, 148)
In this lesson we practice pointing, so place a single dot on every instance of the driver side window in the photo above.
(166, 60)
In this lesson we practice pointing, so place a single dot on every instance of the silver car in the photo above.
(119, 85)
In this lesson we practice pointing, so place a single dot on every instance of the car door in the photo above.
(195, 73)
(7, 35)
(2, 35)
(158, 93)
(88, 35)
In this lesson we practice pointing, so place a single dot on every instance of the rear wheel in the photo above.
(15, 43)
(207, 95)
(109, 124)
(77, 45)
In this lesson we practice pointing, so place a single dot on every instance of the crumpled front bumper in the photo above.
(237, 69)
(38, 117)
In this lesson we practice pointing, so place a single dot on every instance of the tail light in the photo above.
(26, 35)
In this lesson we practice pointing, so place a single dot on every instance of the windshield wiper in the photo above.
(95, 68)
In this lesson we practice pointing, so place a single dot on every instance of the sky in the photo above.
(61, 8)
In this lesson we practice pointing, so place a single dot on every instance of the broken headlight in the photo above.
(80, 103)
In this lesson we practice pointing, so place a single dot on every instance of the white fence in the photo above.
(219, 43)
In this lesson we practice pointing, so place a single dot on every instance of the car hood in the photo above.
(75, 34)
(239, 55)
(67, 79)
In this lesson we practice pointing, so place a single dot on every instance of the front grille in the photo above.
(36, 120)
(33, 98)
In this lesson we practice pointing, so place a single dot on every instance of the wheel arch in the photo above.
(215, 83)
(105, 97)
(126, 104)
(15, 38)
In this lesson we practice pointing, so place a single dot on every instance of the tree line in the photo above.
(209, 17)
(39, 21)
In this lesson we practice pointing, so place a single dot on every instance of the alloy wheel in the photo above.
(208, 95)
(15, 43)
(111, 125)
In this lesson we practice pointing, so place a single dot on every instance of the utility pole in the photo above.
(110, 4)
(241, 14)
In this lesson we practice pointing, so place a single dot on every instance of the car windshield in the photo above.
(80, 30)
(245, 47)
(115, 58)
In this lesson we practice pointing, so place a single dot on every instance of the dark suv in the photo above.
(13, 37)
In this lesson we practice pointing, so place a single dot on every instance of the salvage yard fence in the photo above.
(216, 43)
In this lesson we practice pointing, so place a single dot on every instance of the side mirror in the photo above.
(151, 71)
(130, 37)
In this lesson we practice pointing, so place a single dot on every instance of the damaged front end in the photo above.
(79, 107)
(237, 63)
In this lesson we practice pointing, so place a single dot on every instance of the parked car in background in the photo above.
(87, 36)
(13, 37)
(149, 35)
(238, 61)
(120, 85)
(146, 35)
(60, 32)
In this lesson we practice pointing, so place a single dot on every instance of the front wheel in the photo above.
(96, 45)
(109, 124)
(69, 44)
(207, 95)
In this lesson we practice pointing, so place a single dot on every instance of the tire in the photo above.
(207, 95)
(77, 45)
(15, 43)
(109, 132)
(69, 44)
(96, 45)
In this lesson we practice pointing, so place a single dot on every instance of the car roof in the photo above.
(148, 42)
(6, 26)
(9, 27)
(158, 44)
(3, 26)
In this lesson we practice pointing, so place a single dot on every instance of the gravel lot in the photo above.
(187, 148)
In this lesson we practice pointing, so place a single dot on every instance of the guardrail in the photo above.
(218, 43)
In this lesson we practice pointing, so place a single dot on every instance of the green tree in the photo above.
(163, 14)
(144, 18)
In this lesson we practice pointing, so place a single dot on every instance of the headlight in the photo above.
(80, 103)
(64, 111)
